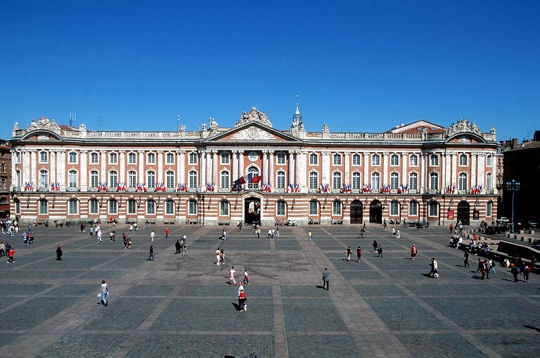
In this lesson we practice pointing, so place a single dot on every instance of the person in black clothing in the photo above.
(178, 246)
(375, 245)
(58, 253)
(466, 259)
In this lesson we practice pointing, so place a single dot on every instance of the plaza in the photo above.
(182, 306)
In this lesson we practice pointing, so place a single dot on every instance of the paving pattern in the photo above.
(182, 306)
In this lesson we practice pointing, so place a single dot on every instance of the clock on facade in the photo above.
(253, 156)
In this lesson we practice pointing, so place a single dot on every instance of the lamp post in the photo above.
(513, 186)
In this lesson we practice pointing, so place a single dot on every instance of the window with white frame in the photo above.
(413, 208)
(17, 157)
(375, 159)
(72, 158)
(93, 206)
(433, 208)
(394, 180)
(169, 207)
(150, 158)
(489, 185)
(394, 208)
(192, 207)
(280, 208)
(413, 181)
(280, 180)
(375, 180)
(43, 157)
(336, 180)
(313, 180)
(489, 209)
(434, 160)
(434, 181)
(336, 207)
(72, 179)
(225, 179)
(394, 160)
(43, 209)
(462, 182)
(488, 160)
(73, 207)
(356, 181)
(169, 158)
(132, 206)
(94, 179)
(94, 158)
(113, 206)
(313, 207)
(192, 177)
(169, 179)
(132, 179)
(225, 157)
(43, 179)
(151, 207)
(337, 159)
(281, 158)
(413, 160)
(192, 158)
(254, 171)
(151, 179)
(113, 179)
(313, 159)
(463, 160)
(113, 158)
(224, 208)
(132, 158)
(356, 159)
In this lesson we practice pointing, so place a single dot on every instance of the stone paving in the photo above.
(181, 306)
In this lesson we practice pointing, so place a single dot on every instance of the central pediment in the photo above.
(251, 133)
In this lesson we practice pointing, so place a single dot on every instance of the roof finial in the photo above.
(297, 110)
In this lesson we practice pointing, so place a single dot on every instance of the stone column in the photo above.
(122, 176)
(474, 167)
(301, 170)
(52, 168)
(61, 160)
(159, 167)
(181, 167)
(423, 172)
(404, 166)
(30, 167)
(325, 168)
(235, 165)
(265, 168)
(215, 168)
(347, 168)
(366, 179)
(271, 176)
(142, 175)
(202, 170)
(385, 178)
(291, 168)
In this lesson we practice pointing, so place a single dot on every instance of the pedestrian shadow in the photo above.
(236, 306)
(319, 286)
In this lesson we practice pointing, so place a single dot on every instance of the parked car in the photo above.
(503, 220)
(532, 224)
(493, 230)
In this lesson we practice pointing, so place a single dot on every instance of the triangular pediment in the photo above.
(252, 132)
(418, 127)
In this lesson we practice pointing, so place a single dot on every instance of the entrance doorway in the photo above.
(375, 212)
(252, 211)
(357, 210)
(464, 212)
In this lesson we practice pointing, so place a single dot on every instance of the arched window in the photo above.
(336, 180)
(413, 160)
(132, 158)
(132, 206)
(394, 160)
(93, 205)
(73, 206)
(150, 207)
(225, 180)
(434, 160)
(394, 181)
(224, 208)
(337, 159)
(375, 159)
(192, 177)
(150, 179)
(462, 182)
(43, 207)
(43, 179)
(280, 208)
(375, 180)
(356, 159)
(113, 206)
(72, 179)
(150, 158)
(489, 209)
(254, 171)
(113, 179)
(169, 179)
(336, 207)
(489, 185)
(113, 158)
(463, 160)
(313, 207)
(313, 159)
(94, 158)
(413, 181)
(225, 157)
(394, 208)
(280, 180)
(356, 181)
(192, 207)
(313, 180)
(132, 179)
(413, 208)
(94, 179)
(434, 181)
(169, 158)
(169, 207)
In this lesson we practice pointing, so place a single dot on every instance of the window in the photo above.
(169, 207)
(434, 181)
(281, 158)
(462, 182)
(225, 157)
(413, 181)
(413, 208)
(169, 179)
(192, 207)
(434, 160)
(394, 208)
(280, 180)
(192, 158)
(433, 208)
(43, 157)
(394, 181)
(151, 179)
(94, 179)
(132, 158)
(224, 208)
(375, 181)
(132, 179)
(313, 159)
(488, 181)
(72, 158)
(192, 177)
(336, 180)
(463, 160)
(169, 158)
(356, 181)
(489, 209)
(413, 160)
(17, 157)
(337, 159)
(132, 206)
(150, 158)
(113, 206)
(113, 179)
(375, 159)
(336, 207)
(394, 160)
(488, 160)
(72, 206)
(94, 158)
(93, 206)
(43, 179)
(313, 206)
(113, 158)
(313, 181)
(151, 207)
(356, 160)
(72, 179)
(280, 208)
(225, 179)
(43, 207)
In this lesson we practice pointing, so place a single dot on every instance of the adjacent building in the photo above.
(253, 172)
(5, 178)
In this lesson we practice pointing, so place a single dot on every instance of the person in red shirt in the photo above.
(166, 232)
(11, 255)
(414, 251)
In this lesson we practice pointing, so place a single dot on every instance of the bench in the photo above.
(314, 222)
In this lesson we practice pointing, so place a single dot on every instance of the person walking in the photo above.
(309, 235)
(58, 253)
(348, 253)
(231, 276)
(103, 293)
(152, 236)
(326, 279)
(166, 232)
(151, 255)
(466, 259)
(178, 247)
(358, 254)
(375, 245)
(380, 251)
(218, 256)
(224, 234)
(184, 251)
(398, 234)
(434, 268)
(242, 306)
(245, 281)
(414, 251)
(11, 254)
(222, 257)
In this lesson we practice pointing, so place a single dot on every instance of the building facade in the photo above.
(252, 172)
(5, 178)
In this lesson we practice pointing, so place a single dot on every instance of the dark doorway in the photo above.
(375, 212)
(252, 211)
(464, 212)
(357, 210)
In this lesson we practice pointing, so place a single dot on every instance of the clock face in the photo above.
(253, 156)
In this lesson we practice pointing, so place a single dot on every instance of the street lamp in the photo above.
(513, 186)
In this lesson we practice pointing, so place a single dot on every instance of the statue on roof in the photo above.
(253, 116)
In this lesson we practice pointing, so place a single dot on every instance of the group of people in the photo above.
(7, 250)
(9, 227)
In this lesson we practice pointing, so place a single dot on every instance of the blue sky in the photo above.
(356, 65)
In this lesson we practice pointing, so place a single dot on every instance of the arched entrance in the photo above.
(252, 211)
(375, 212)
(357, 210)
(464, 212)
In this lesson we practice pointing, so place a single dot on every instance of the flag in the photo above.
(256, 179)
